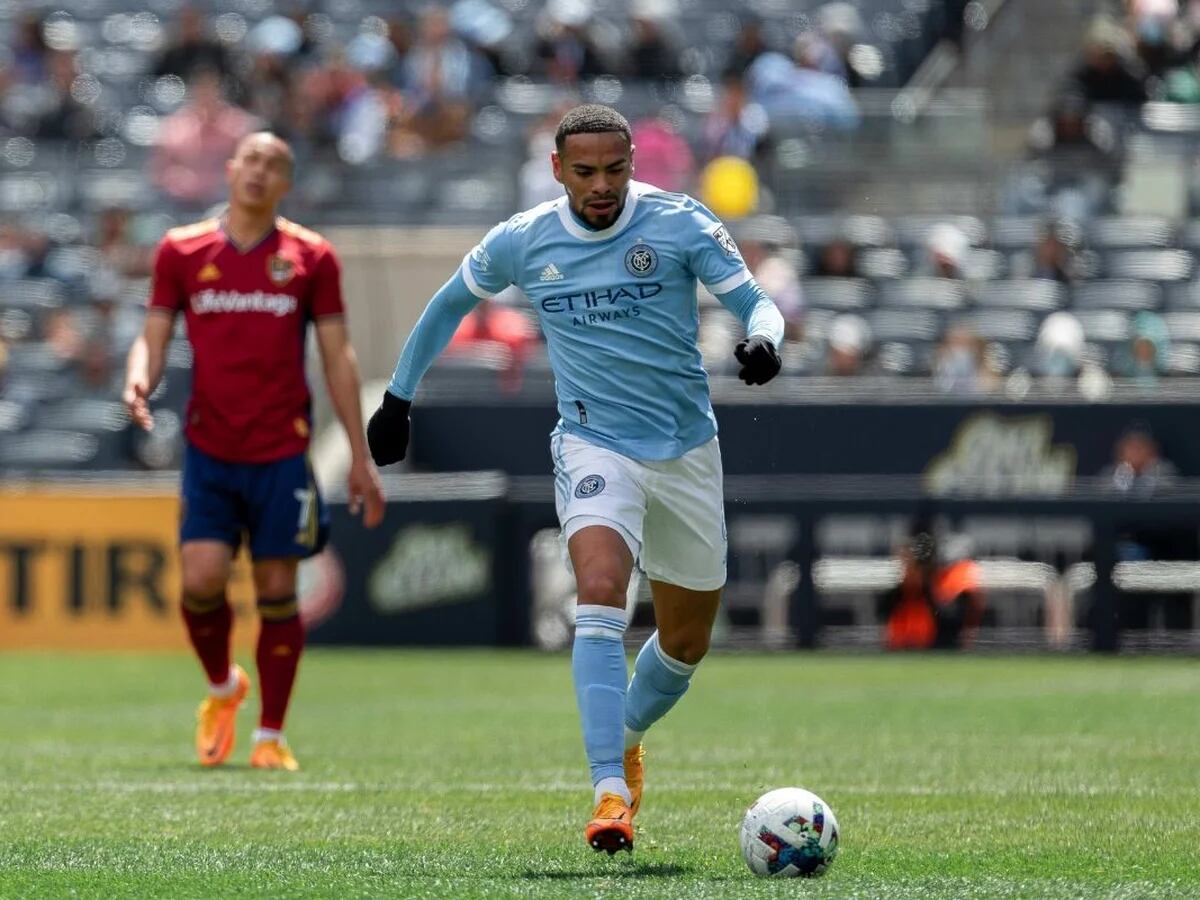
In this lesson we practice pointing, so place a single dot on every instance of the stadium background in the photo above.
(977, 218)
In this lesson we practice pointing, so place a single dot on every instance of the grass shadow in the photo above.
(634, 870)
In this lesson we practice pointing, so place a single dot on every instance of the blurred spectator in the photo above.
(1106, 73)
(837, 259)
(652, 54)
(960, 364)
(811, 50)
(270, 90)
(194, 142)
(1145, 359)
(536, 178)
(96, 371)
(748, 46)
(768, 245)
(565, 48)
(664, 158)
(119, 251)
(946, 249)
(938, 604)
(1053, 255)
(841, 26)
(61, 333)
(59, 115)
(367, 114)
(487, 29)
(1079, 155)
(3, 364)
(849, 343)
(193, 48)
(496, 324)
(1058, 352)
(1138, 466)
(735, 127)
(439, 76)
(29, 51)
(1160, 39)
(1139, 469)
(792, 92)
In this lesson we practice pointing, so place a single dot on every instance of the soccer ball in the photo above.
(789, 832)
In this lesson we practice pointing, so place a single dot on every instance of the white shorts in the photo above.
(671, 513)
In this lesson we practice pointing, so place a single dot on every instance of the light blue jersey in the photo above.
(619, 310)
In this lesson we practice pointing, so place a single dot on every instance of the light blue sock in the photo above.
(657, 684)
(598, 667)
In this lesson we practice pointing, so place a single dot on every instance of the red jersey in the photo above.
(247, 314)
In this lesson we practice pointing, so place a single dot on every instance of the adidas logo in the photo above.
(209, 273)
(551, 273)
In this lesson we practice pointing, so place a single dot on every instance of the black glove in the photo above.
(759, 359)
(387, 432)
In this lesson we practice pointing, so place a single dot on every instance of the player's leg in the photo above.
(601, 505)
(277, 657)
(287, 522)
(684, 557)
(209, 533)
(603, 564)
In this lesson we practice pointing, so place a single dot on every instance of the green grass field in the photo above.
(462, 775)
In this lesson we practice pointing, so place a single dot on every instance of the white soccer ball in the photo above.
(789, 833)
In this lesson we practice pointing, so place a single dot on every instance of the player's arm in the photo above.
(341, 377)
(714, 259)
(147, 356)
(485, 272)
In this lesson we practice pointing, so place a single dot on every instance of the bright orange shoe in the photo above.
(215, 721)
(635, 775)
(273, 754)
(611, 828)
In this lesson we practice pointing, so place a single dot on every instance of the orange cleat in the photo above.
(273, 754)
(635, 775)
(215, 721)
(611, 828)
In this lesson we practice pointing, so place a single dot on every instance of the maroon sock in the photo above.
(280, 643)
(209, 623)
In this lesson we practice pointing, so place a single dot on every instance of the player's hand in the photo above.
(759, 359)
(387, 432)
(136, 397)
(366, 494)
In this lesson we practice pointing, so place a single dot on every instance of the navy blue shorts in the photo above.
(275, 505)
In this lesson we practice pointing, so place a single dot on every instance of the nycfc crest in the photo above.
(641, 260)
(280, 270)
(589, 486)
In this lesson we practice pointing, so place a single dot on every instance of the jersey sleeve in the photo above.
(327, 286)
(167, 290)
(488, 269)
(712, 255)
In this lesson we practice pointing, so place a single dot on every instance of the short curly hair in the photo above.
(591, 118)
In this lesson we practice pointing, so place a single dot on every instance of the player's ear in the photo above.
(556, 165)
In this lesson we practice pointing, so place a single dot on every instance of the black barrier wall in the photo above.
(835, 438)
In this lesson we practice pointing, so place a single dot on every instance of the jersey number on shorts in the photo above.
(307, 524)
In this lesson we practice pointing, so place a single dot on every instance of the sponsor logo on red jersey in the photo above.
(238, 302)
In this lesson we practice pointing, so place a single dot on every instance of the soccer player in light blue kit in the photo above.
(611, 269)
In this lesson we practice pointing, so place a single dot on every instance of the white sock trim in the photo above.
(228, 687)
(613, 785)
(268, 734)
(633, 738)
(594, 620)
(679, 668)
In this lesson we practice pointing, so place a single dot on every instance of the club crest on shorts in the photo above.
(589, 486)
(279, 269)
(641, 260)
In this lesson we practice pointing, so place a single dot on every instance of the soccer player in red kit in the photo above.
(248, 283)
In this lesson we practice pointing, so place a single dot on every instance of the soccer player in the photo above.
(248, 283)
(611, 269)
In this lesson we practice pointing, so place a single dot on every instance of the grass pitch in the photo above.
(437, 774)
